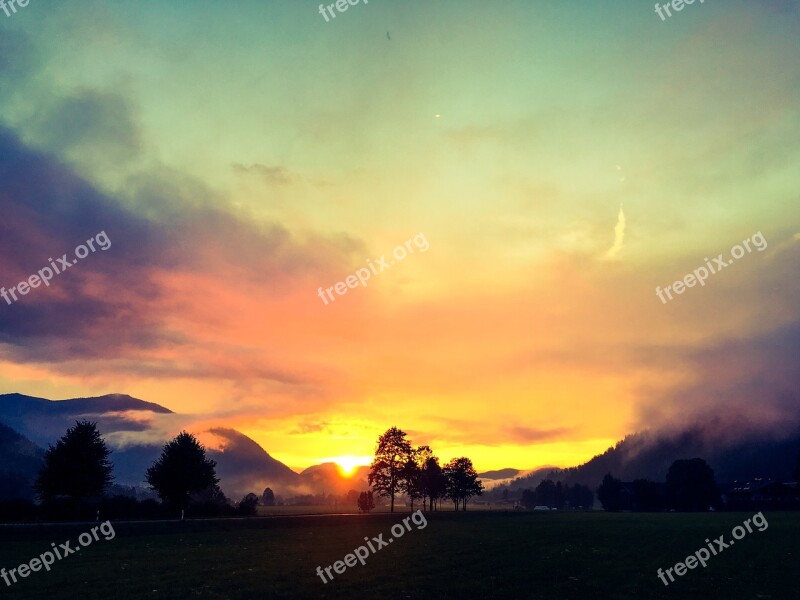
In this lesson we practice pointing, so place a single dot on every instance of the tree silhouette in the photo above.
(248, 506)
(610, 493)
(387, 471)
(462, 481)
(268, 498)
(647, 496)
(181, 469)
(76, 466)
(691, 485)
(434, 481)
(414, 474)
(366, 501)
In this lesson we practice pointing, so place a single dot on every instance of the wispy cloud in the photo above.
(619, 237)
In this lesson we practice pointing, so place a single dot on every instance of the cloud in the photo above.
(136, 306)
(307, 427)
(97, 126)
(271, 175)
(619, 236)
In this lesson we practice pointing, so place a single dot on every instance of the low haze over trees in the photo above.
(77, 466)
(400, 469)
(181, 469)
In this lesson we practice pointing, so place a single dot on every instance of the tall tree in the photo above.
(387, 470)
(268, 497)
(434, 482)
(248, 506)
(462, 481)
(414, 475)
(610, 493)
(691, 485)
(181, 469)
(77, 466)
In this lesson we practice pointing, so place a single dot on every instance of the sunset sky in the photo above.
(561, 159)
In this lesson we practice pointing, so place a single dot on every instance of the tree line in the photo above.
(690, 486)
(77, 468)
(400, 468)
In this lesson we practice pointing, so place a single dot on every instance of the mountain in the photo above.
(327, 478)
(648, 455)
(243, 466)
(500, 474)
(44, 421)
(20, 461)
(136, 431)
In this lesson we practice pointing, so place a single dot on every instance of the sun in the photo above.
(348, 464)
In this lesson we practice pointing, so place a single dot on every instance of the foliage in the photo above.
(366, 502)
(388, 469)
(77, 466)
(610, 493)
(248, 506)
(462, 481)
(558, 495)
(181, 469)
(691, 485)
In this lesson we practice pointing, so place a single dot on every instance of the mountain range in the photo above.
(136, 431)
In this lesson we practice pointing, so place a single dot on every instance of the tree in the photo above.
(433, 481)
(610, 493)
(647, 496)
(268, 498)
(181, 469)
(546, 493)
(77, 466)
(414, 474)
(462, 481)
(580, 496)
(528, 499)
(392, 455)
(691, 485)
(366, 502)
(248, 506)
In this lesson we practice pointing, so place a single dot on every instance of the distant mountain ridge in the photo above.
(649, 454)
(242, 464)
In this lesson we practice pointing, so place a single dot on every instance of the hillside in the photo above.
(648, 455)
(20, 461)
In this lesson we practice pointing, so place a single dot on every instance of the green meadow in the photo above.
(457, 555)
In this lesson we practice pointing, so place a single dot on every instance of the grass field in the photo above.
(458, 555)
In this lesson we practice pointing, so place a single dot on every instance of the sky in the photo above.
(550, 164)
